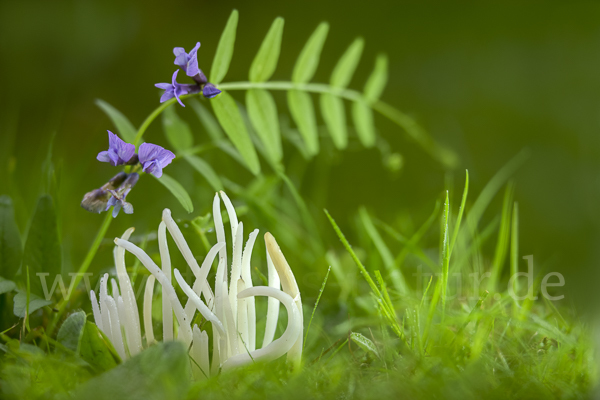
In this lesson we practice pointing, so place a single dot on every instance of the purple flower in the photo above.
(175, 89)
(118, 152)
(209, 91)
(189, 63)
(117, 201)
(154, 158)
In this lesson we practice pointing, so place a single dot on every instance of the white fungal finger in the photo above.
(148, 292)
(117, 338)
(186, 252)
(236, 269)
(273, 305)
(198, 303)
(96, 310)
(279, 346)
(289, 286)
(165, 263)
(200, 354)
(204, 270)
(133, 331)
(250, 302)
(184, 325)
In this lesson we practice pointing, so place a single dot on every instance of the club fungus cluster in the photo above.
(229, 307)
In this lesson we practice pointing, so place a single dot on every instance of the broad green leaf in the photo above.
(303, 114)
(10, 240)
(125, 129)
(159, 372)
(308, 60)
(332, 109)
(263, 115)
(42, 248)
(6, 286)
(344, 70)
(362, 116)
(224, 52)
(71, 331)
(364, 343)
(265, 62)
(177, 131)
(96, 349)
(229, 117)
(205, 170)
(207, 120)
(178, 191)
(378, 79)
(35, 303)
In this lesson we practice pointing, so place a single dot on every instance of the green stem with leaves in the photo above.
(412, 128)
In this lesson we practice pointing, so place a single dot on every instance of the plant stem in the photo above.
(82, 270)
(414, 130)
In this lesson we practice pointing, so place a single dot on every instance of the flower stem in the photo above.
(82, 270)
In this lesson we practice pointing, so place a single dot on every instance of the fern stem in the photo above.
(414, 130)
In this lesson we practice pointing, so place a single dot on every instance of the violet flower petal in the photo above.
(154, 158)
(209, 91)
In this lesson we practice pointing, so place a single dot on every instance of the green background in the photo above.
(487, 80)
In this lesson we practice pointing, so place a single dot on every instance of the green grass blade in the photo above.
(383, 250)
(377, 80)
(308, 60)
(11, 252)
(125, 129)
(493, 186)
(43, 253)
(177, 131)
(362, 115)
(514, 251)
(502, 243)
(332, 109)
(445, 252)
(178, 191)
(220, 64)
(265, 62)
(344, 70)
(262, 111)
(205, 170)
(229, 117)
(316, 305)
(461, 211)
(360, 265)
(303, 113)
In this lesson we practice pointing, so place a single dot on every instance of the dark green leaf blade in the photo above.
(266, 59)
(71, 331)
(308, 60)
(303, 113)
(263, 116)
(220, 64)
(229, 117)
(332, 109)
(35, 303)
(362, 115)
(42, 248)
(344, 70)
(96, 349)
(177, 131)
(178, 191)
(206, 171)
(125, 129)
(11, 251)
(377, 80)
